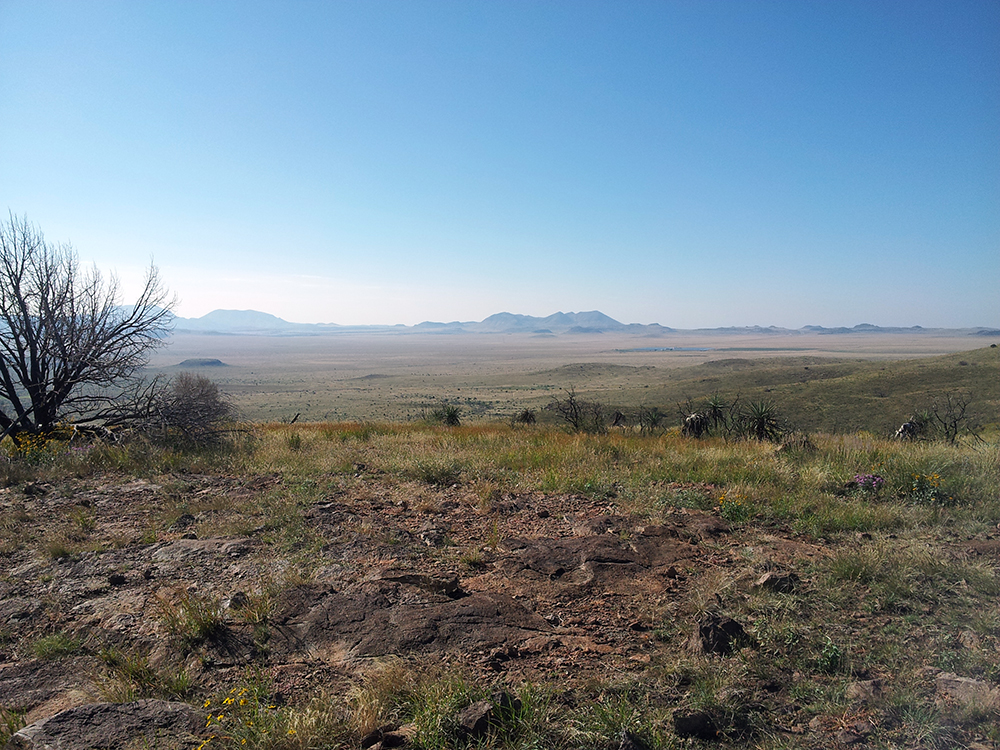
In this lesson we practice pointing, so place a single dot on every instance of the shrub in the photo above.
(129, 677)
(446, 414)
(926, 490)
(437, 473)
(192, 412)
(734, 507)
(191, 618)
(869, 485)
(580, 415)
(11, 720)
(651, 419)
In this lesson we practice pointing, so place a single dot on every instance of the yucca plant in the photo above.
(760, 421)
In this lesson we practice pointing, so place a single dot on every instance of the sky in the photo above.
(690, 163)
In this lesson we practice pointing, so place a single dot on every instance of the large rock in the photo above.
(152, 724)
(698, 724)
(608, 559)
(387, 617)
(188, 549)
(28, 684)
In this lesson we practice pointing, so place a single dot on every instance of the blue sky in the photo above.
(689, 163)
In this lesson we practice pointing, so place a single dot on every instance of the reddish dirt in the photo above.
(531, 586)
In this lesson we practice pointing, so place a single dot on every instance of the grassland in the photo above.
(138, 571)
(896, 582)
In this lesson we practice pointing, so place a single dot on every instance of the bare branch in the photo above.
(67, 345)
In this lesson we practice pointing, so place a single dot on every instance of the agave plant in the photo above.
(447, 414)
(760, 421)
(717, 410)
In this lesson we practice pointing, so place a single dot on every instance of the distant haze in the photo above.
(255, 322)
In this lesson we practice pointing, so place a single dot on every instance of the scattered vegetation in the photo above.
(875, 528)
(11, 720)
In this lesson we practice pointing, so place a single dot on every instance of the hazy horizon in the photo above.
(559, 312)
(694, 164)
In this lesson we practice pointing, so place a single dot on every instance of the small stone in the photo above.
(117, 579)
(499, 657)
(399, 737)
(475, 719)
(433, 537)
(864, 691)
(969, 640)
(719, 635)
(863, 727)
(697, 724)
(183, 521)
(782, 583)
(632, 741)
(969, 692)
(377, 735)
(847, 737)
(239, 600)
(822, 723)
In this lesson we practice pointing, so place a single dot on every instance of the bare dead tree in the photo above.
(68, 348)
(570, 409)
(951, 416)
(580, 415)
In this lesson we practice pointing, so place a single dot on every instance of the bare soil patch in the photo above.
(534, 586)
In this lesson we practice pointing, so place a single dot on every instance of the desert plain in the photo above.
(400, 376)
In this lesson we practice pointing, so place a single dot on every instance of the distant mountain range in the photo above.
(252, 322)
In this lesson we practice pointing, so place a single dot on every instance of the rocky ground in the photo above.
(561, 589)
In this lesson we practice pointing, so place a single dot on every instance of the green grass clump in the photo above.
(191, 618)
(128, 676)
(55, 646)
